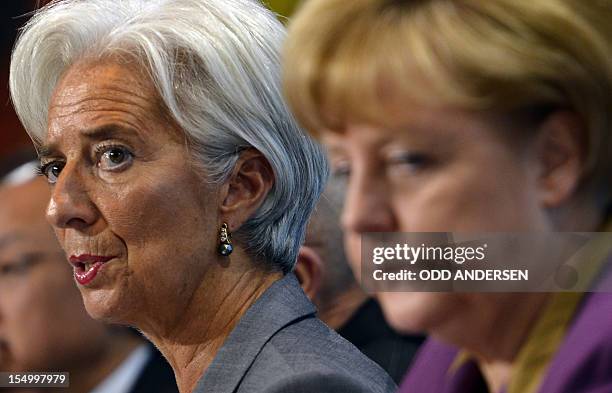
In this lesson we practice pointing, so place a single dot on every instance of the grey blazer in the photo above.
(279, 346)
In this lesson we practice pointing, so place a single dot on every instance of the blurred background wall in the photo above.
(283, 7)
(12, 16)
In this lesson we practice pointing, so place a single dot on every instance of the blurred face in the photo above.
(43, 324)
(431, 169)
(132, 215)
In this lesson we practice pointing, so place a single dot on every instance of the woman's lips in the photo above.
(86, 267)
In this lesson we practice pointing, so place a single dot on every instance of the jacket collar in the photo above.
(280, 305)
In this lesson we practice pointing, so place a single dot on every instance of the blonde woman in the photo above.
(470, 116)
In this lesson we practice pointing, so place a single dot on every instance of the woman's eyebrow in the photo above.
(107, 131)
(46, 150)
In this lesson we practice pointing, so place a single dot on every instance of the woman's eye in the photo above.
(18, 267)
(410, 161)
(340, 169)
(115, 158)
(51, 171)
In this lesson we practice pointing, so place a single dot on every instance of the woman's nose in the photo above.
(70, 205)
(367, 207)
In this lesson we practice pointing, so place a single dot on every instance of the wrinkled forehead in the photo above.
(96, 86)
(109, 73)
(93, 93)
(89, 80)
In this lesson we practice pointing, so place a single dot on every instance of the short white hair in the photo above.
(215, 64)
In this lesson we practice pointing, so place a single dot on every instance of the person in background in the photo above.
(341, 302)
(43, 323)
(471, 116)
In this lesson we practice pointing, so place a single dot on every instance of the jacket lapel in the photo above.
(282, 304)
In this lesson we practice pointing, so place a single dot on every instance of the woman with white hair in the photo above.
(181, 186)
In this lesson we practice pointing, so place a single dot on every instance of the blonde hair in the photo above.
(512, 57)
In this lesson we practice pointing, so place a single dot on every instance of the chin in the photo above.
(415, 312)
(105, 305)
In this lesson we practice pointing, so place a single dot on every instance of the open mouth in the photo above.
(86, 272)
(86, 267)
(82, 267)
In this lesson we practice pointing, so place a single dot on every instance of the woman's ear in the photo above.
(246, 188)
(309, 272)
(561, 148)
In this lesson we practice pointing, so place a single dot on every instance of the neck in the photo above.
(341, 308)
(191, 341)
(580, 214)
(498, 328)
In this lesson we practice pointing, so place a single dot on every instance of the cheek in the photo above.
(167, 229)
(35, 324)
(140, 212)
(157, 217)
(60, 235)
(471, 196)
(24, 314)
(352, 247)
